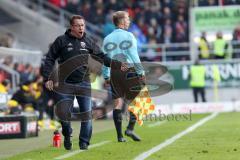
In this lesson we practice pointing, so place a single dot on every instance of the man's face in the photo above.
(126, 21)
(78, 28)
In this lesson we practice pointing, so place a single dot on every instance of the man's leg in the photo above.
(67, 132)
(195, 94)
(202, 92)
(129, 97)
(129, 132)
(66, 125)
(117, 118)
(85, 107)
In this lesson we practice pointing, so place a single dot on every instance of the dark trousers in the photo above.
(197, 91)
(85, 105)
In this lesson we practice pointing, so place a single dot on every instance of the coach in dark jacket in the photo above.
(70, 46)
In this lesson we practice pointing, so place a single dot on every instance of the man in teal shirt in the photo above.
(121, 45)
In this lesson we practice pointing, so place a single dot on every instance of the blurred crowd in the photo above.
(26, 71)
(155, 21)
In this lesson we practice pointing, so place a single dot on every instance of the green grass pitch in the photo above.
(217, 139)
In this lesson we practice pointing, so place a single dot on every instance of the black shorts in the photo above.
(125, 84)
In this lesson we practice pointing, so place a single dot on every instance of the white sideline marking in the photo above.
(79, 151)
(146, 154)
(156, 124)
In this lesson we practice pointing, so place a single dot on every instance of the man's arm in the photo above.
(49, 62)
(51, 57)
(95, 50)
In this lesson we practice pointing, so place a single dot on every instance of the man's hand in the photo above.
(124, 67)
(49, 85)
(50, 102)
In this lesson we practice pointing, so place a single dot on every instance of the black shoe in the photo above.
(83, 146)
(67, 143)
(133, 135)
(121, 139)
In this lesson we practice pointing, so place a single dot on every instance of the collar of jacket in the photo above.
(68, 33)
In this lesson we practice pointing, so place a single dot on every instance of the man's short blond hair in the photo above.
(118, 17)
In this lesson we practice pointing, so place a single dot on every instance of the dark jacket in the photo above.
(66, 47)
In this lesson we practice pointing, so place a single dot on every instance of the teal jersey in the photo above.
(122, 42)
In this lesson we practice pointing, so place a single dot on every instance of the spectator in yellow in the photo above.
(4, 87)
(24, 97)
(197, 81)
(203, 47)
(219, 46)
